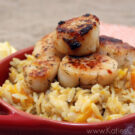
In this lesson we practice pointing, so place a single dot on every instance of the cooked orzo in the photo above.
(71, 104)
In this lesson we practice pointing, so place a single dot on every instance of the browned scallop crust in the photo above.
(117, 49)
(87, 70)
(73, 31)
(44, 47)
(106, 39)
(42, 67)
(87, 62)
(41, 47)
(113, 42)
(39, 73)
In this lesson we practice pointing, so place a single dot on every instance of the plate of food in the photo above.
(73, 80)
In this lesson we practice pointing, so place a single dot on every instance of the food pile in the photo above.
(6, 49)
(74, 75)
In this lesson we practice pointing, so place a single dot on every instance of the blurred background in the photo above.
(23, 22)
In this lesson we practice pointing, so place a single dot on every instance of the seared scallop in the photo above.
(42, 71)
(88, 70)
(78, 36)
(122, 52)
(45, 47)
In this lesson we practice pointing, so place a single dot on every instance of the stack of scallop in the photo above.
(76, 54)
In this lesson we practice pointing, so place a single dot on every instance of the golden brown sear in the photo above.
(78, 36)
(87, 70)
(41, 72)
(118, 50)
